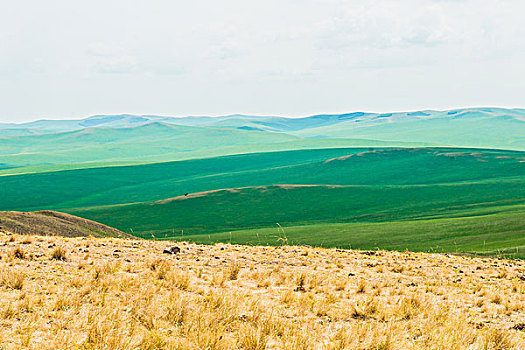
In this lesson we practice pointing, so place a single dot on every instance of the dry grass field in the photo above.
(95, 293)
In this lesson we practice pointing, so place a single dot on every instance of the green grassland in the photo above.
(346, 166)
(499, 234)
(259, 207)
(431, 198)
(124, 184)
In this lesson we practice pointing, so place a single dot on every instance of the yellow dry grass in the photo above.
(125, 294)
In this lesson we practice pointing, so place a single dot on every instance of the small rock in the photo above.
(479, 325)
(519, 326)
(172, 250)
(299, 289)
(368, 252)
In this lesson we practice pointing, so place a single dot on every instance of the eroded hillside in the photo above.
(67, 293)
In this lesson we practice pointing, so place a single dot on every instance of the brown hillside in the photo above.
(53, 223)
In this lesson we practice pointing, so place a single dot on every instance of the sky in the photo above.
(71, 59)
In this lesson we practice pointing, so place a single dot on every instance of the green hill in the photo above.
(48, 145)
(149, 143)
(354, 166)
(292, 205)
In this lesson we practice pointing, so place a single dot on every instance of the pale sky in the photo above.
(71, 59)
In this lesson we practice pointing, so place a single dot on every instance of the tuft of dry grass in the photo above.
(58, 254)
(233, 271)
(12, 279)
(124, 294)
(18, 253)
(361, 287)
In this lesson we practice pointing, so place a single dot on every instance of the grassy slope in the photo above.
(109, 185)
(114, 185)
(493, 234)
(265, 206)
(137, 158)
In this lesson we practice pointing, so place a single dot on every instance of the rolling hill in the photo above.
(149, 143)
(52, 223)
(412, 198)
(146, 143)
(50, 144)
(292, 205)
(466, 128)
(354, 166)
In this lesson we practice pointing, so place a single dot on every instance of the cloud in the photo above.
(117, 64)
(101, 49)
(111, 59)
(309, 55)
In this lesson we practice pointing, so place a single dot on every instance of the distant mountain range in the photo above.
(145, 138)
(263, 123)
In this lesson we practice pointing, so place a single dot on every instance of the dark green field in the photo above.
(439, 199)
(229, 210)
(356, 166)
(500, 234)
